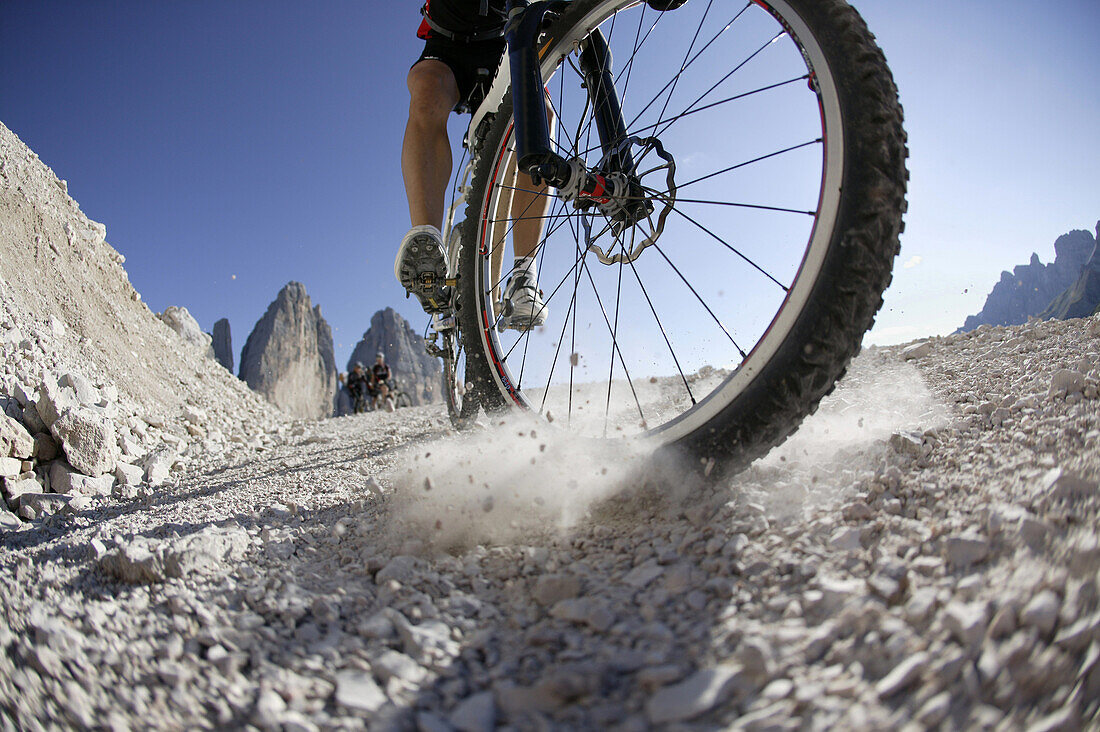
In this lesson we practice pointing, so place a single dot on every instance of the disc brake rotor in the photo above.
(618, 209)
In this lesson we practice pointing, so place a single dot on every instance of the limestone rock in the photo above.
(698, 694)
(222, 342)
(289, 358)
(158, 465)
(9, 521)
(415, 372)
(63, 479)
(86, 393)
(128, 474)
(10, 467)
(15, 441)
(14, 488)
(1066, 382)
(476, 713)
(553, 588)
(181, 321)
(54, 400)
(966, 622)
(145, 560)
(88, 441)
(1042, 612)
(904, 674)
(357, 690)
(917, 350)
(43, 503)
(962, 550)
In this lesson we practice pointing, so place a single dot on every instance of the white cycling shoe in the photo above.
(523, 308)
(421, 268)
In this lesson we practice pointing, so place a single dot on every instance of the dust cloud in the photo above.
(519, 479)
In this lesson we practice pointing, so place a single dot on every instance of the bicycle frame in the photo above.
(534, 153)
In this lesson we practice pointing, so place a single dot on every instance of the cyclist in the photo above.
(358, 385)
(382, 377)
(463, 44)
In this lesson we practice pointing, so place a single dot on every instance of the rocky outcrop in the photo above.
(98, 399)
(1030, 288)
(223, 344)
(1082, 298)
(289, 357)
(417, 374)
(186, 327)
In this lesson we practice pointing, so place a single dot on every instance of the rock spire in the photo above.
(417, 374)
(289, 358)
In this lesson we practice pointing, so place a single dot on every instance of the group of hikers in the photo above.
(371, 388)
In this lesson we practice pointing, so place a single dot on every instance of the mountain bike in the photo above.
(719, 186)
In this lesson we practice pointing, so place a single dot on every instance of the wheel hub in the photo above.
(626, 201)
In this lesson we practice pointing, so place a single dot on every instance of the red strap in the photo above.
(424, 32)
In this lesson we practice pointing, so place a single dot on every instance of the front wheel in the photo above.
(769, 157)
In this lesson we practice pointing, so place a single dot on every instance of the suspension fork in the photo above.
(534, 154)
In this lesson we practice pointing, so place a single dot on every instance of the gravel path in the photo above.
(922, 552)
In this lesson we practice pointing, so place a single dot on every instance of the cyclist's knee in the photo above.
(433, 91)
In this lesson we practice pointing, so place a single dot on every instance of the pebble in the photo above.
(476, 713)
(1041, 612)
(357, 690)
(903, 675)
(966, 622)
(697, 694)
(963, 550)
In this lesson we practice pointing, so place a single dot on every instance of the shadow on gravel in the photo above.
(547, 582)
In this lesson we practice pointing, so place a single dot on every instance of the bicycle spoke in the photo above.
(615, 331)
(573, 335)
(777, 153)
(661, 91)
(545, 302)
(561, 336)
(545, 237)
(614, 342)
(742, 205)
(733, 249)
(699, 298)
(718, 83)
(664, 334)
(720, 102)
(634, 52)
(683, 65)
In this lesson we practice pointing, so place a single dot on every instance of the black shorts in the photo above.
(473, 64)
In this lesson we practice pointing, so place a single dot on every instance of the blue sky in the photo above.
(232, 147)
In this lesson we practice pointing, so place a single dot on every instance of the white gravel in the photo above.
(848, 580)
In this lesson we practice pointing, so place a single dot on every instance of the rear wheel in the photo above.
(767, 138)
(461, 402)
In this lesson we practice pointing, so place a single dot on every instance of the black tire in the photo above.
(819, 325)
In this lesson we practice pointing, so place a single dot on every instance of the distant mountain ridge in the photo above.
(1069, 287)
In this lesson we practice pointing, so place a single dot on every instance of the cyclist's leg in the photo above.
(524, 308)
(530, 203)
(426, 150)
